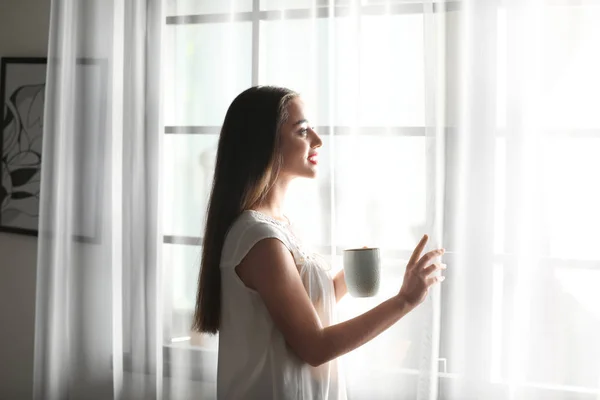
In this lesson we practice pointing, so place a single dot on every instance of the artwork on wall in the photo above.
(22, 103)
(22, 89)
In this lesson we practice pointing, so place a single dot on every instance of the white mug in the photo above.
(362, 270)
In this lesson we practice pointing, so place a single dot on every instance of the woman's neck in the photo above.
(273, 203)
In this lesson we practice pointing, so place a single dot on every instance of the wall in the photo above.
(23, 33)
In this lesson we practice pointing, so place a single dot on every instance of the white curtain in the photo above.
(473, 121)
(98, 308)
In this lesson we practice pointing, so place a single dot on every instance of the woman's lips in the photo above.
(313, 159)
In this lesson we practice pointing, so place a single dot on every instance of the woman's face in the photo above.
(299, 143)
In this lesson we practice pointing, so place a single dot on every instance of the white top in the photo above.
(254, 359)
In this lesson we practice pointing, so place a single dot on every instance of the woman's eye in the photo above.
(304, 131)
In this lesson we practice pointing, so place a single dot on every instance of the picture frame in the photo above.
(86, 163)
(22, 90)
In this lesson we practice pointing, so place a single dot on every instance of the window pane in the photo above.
(570, 65)
(380, 190)
(571, 196)
(391, 71)
(195, 7)
(563, 345)
(187, 177)
(181, 268)
(181, 264)
(206, 66)
(293, 53)
(387, 67)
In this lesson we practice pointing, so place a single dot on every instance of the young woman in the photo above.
(270, 300)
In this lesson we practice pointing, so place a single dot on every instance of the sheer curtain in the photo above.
(98, 308)
(472, 121)
(520, 310)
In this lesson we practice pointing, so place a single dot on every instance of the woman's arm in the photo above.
(270, 270)
(339, 284)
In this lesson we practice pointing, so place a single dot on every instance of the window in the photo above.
(556, 317)
(214, 50)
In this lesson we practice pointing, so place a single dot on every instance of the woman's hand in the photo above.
(419, 275)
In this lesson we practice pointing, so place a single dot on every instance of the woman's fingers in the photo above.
(435, 279)
(433, 268)
(428, 257)
(418, 250)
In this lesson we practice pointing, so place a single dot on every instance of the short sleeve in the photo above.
(243, 235)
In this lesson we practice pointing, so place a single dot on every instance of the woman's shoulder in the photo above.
(249, 228)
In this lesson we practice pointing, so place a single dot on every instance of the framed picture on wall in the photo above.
(22, 89)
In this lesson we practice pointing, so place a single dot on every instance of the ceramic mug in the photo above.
(362, 270)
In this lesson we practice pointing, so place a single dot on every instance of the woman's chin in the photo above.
(312, 173)
(309, 172)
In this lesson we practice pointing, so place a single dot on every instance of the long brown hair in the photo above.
(248, 162)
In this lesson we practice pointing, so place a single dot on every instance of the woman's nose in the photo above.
(316, 142)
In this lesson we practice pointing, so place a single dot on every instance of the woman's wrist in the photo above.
(402, 304)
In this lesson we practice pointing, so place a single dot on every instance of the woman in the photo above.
(270, 300)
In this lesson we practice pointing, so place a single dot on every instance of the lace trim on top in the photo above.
(301, 255)
(267, 218)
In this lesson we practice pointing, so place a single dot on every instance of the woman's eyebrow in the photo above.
(300, 122)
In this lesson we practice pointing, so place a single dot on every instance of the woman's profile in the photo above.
(270, 300)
